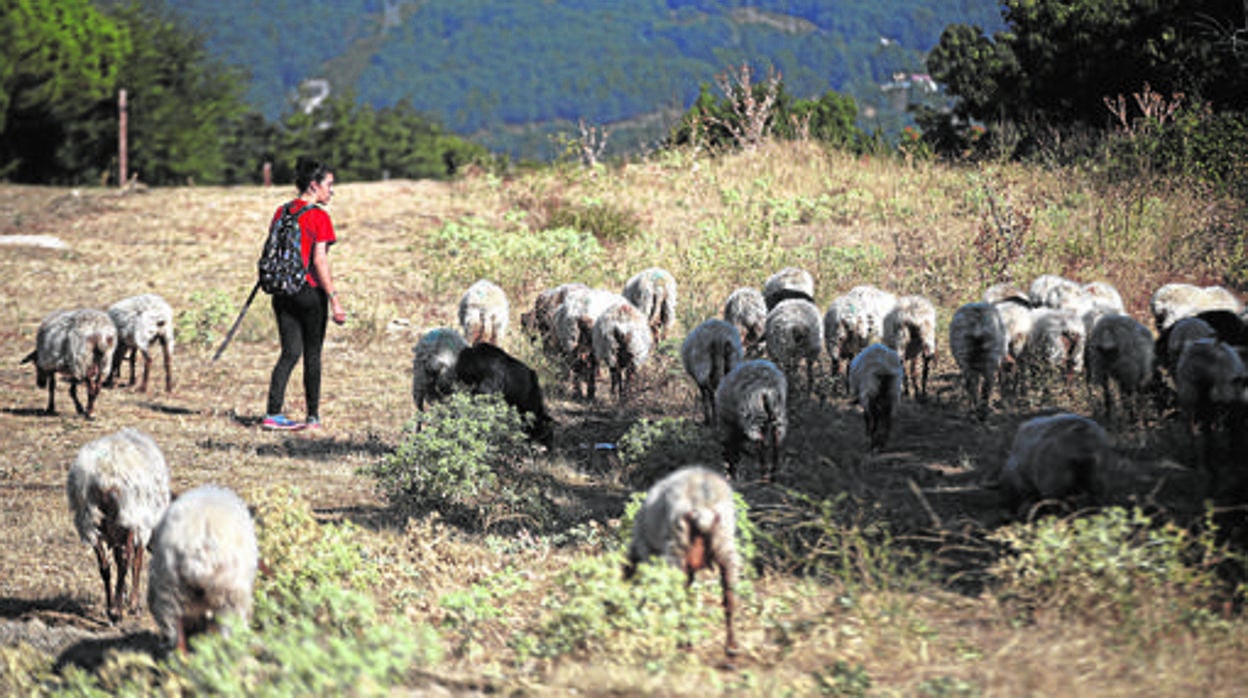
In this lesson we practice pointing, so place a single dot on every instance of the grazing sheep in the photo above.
(795, 335)
(1210, 381)
(1048, 289)
(204, 563)
(622, 341)
(689, 520)
(1016, 318)
(910, 330)
(1001, 292)
(653, 292)
(751, 404)
(1060, 456)
(483, 313)
(539, 323)
(433, 364)
(79, 345)
(141, 320)
(1176, 337)
(118, 488)
(875, 378)
(574, 332)
(708, 353)
(484, 368)
(977, 341)
(854, 321)
(1172, 302)
(1056, 341)
(746, 310)
(1105, 297)
(788, 279)
(1120, 349)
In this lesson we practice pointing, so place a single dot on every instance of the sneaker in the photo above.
(313, 423)
(279, 422)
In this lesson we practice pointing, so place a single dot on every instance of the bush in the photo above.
(207, 312)
(460, 252)
(466, 458)
(1117, 563)
(652, 448)
(608, 223)
(311, 633)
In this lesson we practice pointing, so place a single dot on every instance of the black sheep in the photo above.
(484, 368)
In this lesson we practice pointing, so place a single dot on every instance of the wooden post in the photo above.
(121, 140)
(268, 174)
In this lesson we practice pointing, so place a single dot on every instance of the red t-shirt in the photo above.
(316, 227)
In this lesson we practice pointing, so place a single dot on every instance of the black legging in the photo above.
(301, 320)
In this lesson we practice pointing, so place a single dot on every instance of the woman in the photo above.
(301, 317)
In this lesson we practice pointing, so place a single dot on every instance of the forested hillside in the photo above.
(486, 67)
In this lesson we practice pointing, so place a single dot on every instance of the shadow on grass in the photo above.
(64, 606)
(90, 654)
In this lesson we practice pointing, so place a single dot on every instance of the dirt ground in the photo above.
(934, 478)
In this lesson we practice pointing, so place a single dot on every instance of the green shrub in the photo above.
(1118, 563)
(309, 635)
(466, 457)
(460, 252)
(593, 613)
(652, 448)
(208, 313)
(608, 223)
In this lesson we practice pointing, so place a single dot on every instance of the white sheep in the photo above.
(795, 336)
(1016, 318)
(854, 321)
(1210, 380)
(746, 310)
(653, 292)
(708, 354)
(622, 341)
(79, 345)
(978, 344)
(483, 313)
(1006, 291)
(751, 403)
(1172, 302)
(141, 320)
(1061, 456)
(875, 378)
(574, 332)
(118, 488)
(1105, 297)
(1120, 349)
(1048, 289)
(204, 563)
(910, 330)
(689, 520)
(1056, 341)
(433, 364)
(789, 282)
(540, 321)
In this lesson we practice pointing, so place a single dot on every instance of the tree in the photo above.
(58, 59)
(1057, 60)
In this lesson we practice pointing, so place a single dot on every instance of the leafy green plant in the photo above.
(607, 222)
(651, 448)
(463, 251)
(1117, 562)
(842, 679)
(594, 613)
(207, 313)
(465, 455)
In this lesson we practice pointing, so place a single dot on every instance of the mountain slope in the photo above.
(485, 67)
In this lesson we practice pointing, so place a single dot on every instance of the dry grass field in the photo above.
(877, 576)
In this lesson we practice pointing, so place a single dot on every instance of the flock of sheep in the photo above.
(204, 555)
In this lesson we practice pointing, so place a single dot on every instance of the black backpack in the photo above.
(281, 266)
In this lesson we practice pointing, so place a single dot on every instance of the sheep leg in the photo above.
(927, 363)
(73, 393)
(101, 558)
(181, 628)
(164, 345)
(730, 604)
(51, 381)
(147, 364)
(122, 557)
(131, 352)
(136, 564)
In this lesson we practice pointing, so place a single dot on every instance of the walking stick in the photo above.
(230, 335)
